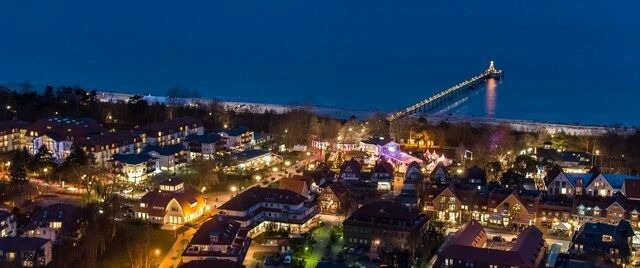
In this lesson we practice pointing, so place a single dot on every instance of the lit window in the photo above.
(55, 225)
(607, 238)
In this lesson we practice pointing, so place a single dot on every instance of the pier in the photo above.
(448, 94)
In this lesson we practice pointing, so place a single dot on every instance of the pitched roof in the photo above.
(120, 138)
(172, 181)
(165, 150)
(382, 166)
(208, 138)
(296, 184)
(131, 159)
(236, 131)
(256, 194)
(68, 214)
(439, 166)
(17, 243)
(376, 210)
(468, 244)
(225, 228)
(157, 202)
(352, 165)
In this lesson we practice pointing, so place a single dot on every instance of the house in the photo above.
(12, 135)
(516, 208)
(170, 204)
(592, 183)
(255, 159)
(237, 137)
(170, 157)
(413, 172)
(412, 187)
(607, 209)
(553, 211)
(351, 170)
(218, 238)
(261, 209)
(455, 203)
(440, 174)
(56, 222)
(172, 131)
(471, 247)
(380, 146)
(135, 168)
(601, 244)
(334, 199)
(204, 146)
(321, 175)
(476, 176)
(25, 252)
(208, 263)
(382, 174)
(297, 184)
(375, 145)
(103, 146)
(385, 225)
(59, 133)
(7, 224)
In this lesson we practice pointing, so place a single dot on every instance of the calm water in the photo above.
(566, 62)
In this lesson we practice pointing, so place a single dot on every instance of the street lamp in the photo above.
(258, 177)
(233, 189)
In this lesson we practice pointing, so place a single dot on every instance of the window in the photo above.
(607, 238)
(55, 224)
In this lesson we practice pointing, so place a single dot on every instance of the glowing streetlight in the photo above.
(287, 163)
(459, 171)
(203, 189)
(275, 169)
(157, 252)
(258, 177)
(233, 189)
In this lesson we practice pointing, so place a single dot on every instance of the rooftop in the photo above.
(254, 195)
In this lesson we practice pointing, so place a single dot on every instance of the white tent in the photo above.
(562, 226)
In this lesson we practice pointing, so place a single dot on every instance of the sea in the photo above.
(564, 61)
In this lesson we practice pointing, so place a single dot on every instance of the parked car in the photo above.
(498, 238)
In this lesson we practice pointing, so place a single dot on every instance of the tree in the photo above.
(18, 168)
(41, 160)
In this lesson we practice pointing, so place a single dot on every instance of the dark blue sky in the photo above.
(570, 62)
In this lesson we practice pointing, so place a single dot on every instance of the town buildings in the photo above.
(237, 137)
(601, 244)
(172, 131)
(592, 183)
(260, 209)
(470, 247)
(134, 168)
(205, 146)
(12, 135)
(55, 223)
(170, 204)
(386, 225)
(334, 199)
(218, 238)
(255, 159)
(58, 134)
(7, 224)
(105, 145)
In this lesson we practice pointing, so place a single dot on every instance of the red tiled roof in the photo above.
(468, 244)
(295, 184)
(256, 194)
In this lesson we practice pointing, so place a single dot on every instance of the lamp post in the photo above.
(45, 170)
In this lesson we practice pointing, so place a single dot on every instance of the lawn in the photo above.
(128, 234)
